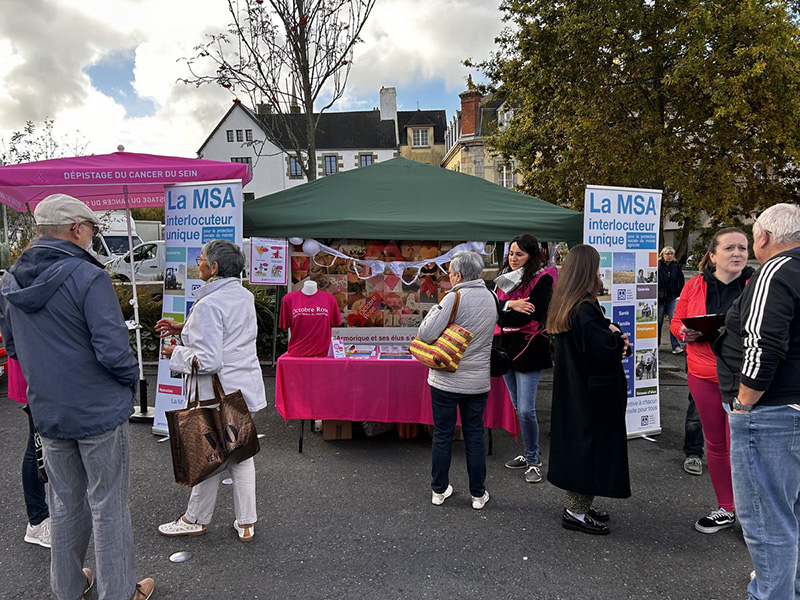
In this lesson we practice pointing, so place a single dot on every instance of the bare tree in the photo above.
(29, 145)
(285, 55)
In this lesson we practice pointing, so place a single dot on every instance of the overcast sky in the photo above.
(108, 68)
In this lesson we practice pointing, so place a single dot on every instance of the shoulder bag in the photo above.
(500, 362)
(207, 435)
(446, 352)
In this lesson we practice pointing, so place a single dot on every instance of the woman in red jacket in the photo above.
(723, 275)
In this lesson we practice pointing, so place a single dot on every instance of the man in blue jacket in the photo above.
(759, 375)
(61, 319)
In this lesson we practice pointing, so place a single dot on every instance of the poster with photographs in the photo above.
(376, 300)
(622, 224)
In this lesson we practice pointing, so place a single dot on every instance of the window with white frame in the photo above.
(229, 133)
(504, 174)
(248, 135)
(504, 117)
(331, 164)
(295, 168)
(239, 135)
(419, 138)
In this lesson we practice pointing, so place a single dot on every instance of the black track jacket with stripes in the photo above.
(761, 343)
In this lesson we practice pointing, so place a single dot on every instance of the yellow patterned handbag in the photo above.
(445, 353)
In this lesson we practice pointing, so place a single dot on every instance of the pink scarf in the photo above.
(533, 328)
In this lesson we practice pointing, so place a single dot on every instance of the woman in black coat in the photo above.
(588, 448)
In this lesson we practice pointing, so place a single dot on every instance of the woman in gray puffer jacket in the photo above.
(467, 389)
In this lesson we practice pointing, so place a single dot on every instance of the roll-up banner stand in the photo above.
(622, 224)
(194, 214)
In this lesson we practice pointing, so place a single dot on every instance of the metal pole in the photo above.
(5, 225)
(275, 315)
(142, 413)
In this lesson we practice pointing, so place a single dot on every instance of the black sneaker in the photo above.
(717, 521)
(517, 463)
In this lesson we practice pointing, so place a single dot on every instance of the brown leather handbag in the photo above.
(206, 435)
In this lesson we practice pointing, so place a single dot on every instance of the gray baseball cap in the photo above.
(60, 209)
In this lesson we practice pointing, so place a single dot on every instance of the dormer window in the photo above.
(420, 138)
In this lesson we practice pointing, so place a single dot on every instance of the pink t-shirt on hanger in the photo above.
(310, 319)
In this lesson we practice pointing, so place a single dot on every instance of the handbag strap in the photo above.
(499, 315)
(454, 309)
(219, 392)
(189, 381)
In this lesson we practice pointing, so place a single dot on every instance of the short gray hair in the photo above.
(469, 264)
(52, 230)
(228, 256)
(782, 221)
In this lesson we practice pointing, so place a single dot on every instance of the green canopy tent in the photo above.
(401, 199)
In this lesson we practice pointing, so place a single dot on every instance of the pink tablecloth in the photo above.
(388, 391)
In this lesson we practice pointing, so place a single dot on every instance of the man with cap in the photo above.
(61, 319)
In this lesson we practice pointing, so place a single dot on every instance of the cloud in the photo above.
(47, 45)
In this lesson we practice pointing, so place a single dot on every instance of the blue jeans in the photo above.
(765, 462)
(667, 307)
(32, 487)
(522, 388)
(693, 431)
(470, 406)
(89, 482)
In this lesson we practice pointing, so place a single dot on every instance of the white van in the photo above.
(112, 242)
(149, 259)
(148, 263)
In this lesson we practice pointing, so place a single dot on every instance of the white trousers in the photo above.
(204, 494)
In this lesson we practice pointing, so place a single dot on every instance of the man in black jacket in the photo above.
(759, 374)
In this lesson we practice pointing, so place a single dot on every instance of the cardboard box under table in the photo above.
(388, 391)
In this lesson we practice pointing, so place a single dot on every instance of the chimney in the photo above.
(262, 108)
(470, 110)
(389, 109)
(294, 109)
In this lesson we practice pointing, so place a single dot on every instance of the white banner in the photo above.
(194, 215)
(375, 335)
(622, 224)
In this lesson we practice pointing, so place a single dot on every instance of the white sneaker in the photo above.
(438, 499)
(479, 503)
(179, 527)
(246, 533)
(39, 534)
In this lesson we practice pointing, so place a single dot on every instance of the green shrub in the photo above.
(150, 308)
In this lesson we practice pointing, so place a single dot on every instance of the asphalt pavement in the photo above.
(353, 519)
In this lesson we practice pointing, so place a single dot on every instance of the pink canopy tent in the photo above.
(100, 180)
(121, 180)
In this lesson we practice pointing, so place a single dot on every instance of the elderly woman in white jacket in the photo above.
(219, 336)
(467, 389)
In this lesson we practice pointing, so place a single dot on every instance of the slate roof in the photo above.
(359, 130)
(488, 117)
(355, 129)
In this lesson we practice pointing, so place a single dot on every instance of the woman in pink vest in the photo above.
(524, 290)
(723, 275)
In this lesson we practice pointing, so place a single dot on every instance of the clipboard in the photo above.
(708, 325)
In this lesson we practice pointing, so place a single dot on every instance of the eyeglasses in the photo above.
(95, 228)
(198, 260)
